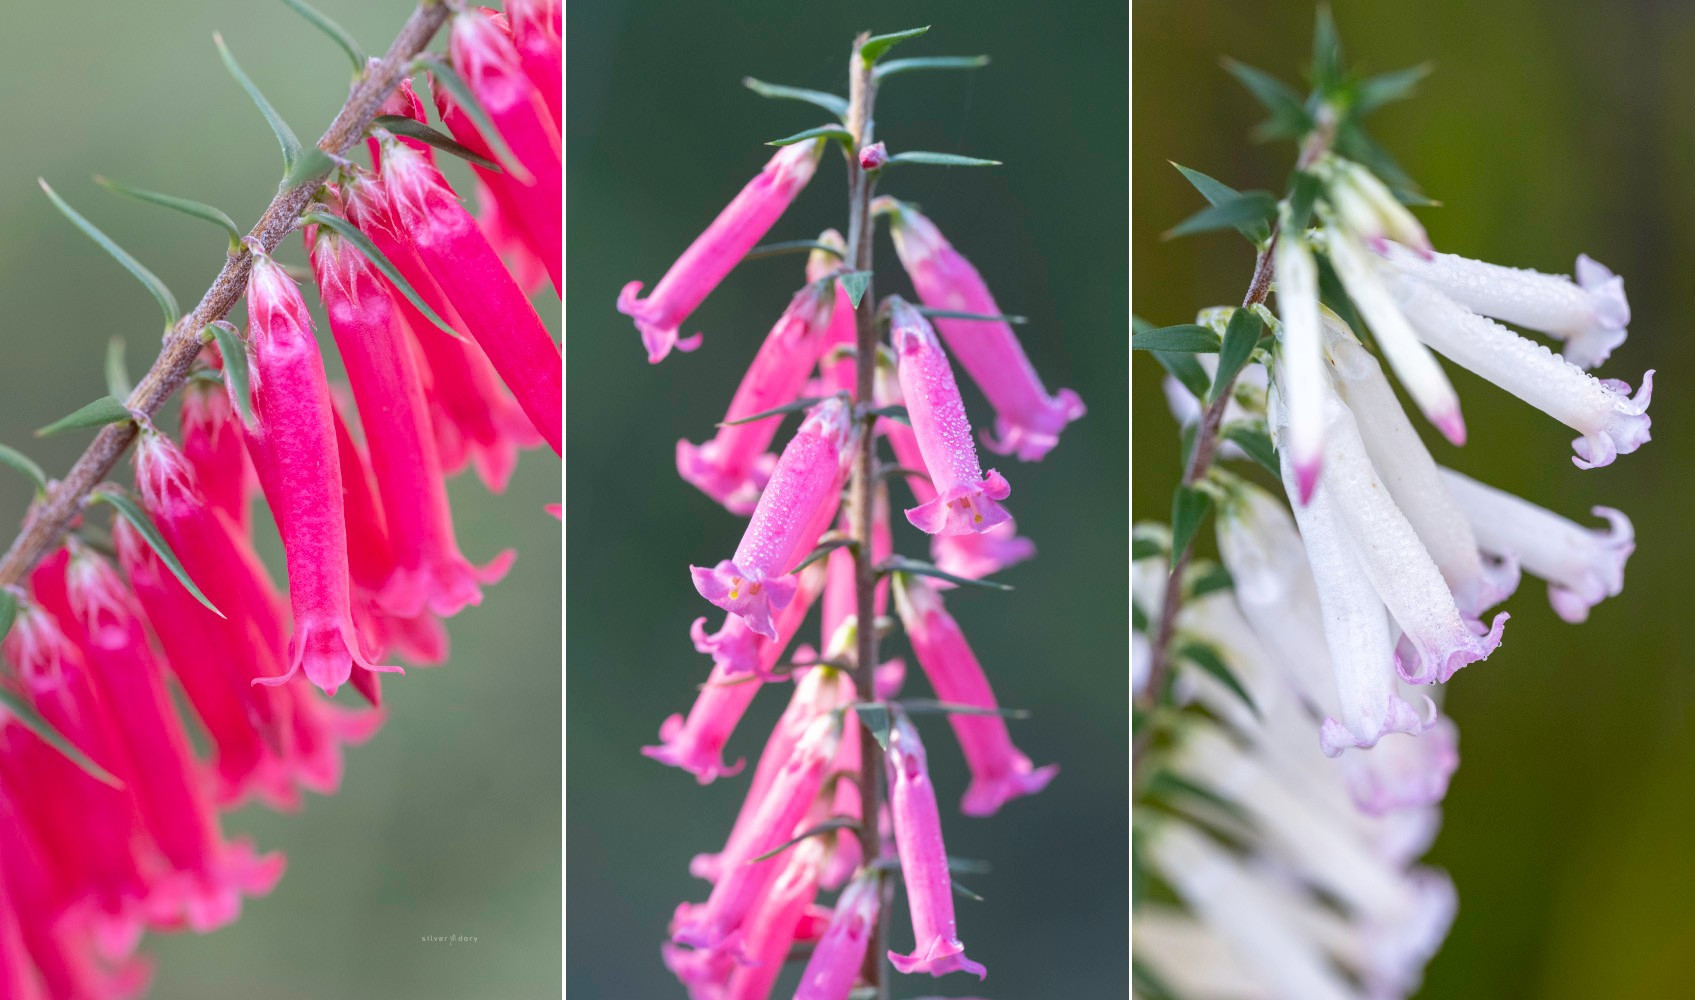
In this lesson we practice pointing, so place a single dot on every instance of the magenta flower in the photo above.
(538, 32)
(836, 366)
(836, 960)
(923, 860)
(292, 442)
(502, 233)
(211, 440)
(715, 252)
(798, 503)
(999, 771)
(734, 466)
(771, 930)
(1028, 420)
(965, 498)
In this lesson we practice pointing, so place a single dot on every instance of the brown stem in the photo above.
(49, 518)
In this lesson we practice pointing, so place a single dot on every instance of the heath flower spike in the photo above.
(1302, 349)
(715, 252)
(966, 499)
(1028, 420)
(1590, 314)
(798, 503)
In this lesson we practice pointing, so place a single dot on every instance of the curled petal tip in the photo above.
(628, 304)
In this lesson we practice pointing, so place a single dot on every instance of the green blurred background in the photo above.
(661, 135)
(448, 822)
(1547, 129)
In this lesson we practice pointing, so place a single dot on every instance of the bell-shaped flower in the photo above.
(937, 949)
(715, 252)
(734, 466)
(1028, 420)
(999, 770)
(1583, 566)
(1301, 346)
(798, 503)
(1589, 314)
(966, 499)
(834, 965)
(1611, 421)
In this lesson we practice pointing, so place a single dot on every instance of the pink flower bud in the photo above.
(965, 499)
(797, 504)
(771, 930)
(923, 860)
(211, 440)
(404, 101)
(835, 963)
(999, 771)
(715, 252)
(734, 466)
(538, 33)
(874, 157)
(1028, 420)
(292, 442)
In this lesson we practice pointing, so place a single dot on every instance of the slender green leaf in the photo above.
(117, 373)
(874, 715)
(893, 413)
(855, 283)
(1412, 198)
(1138, 617)
(1218, 193)
(1302, 194)
(930, 706)
(823, 549)
(183, 205)
(1386, 88)
(830, 825)
(445, 75)
(941, 159)
(313, 166)
(103, 411)
(1145, 548)
(1186, 338)
(792, 246)
(1171, 785)
(1326, 52)
(1255, 443)
(337, 33)
(26, 714)
(894, 66)
(412, 128)
(346, 230)
(979, 317)
(1207, 658)
(1214, 579)
(234, 351)
(1189, 507)
(876, 45)
(138, 519)
(285, 135)
(961, 890)
(835, 132)
(803, 403)
(8, 612)
(1288, 117)
(901, 564)
(833, 103)
(1247, 207)
(1187, 370)
(1239, 340)
(24, 464)
(155, 287)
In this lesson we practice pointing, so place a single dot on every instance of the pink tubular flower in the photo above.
(498, 228)
(835, 963)
(923, 860)
(211, 440)
(538, 33)
(715, 252)
(835, 366)
(423, 211)
(734, 466)
(965, 498)
(292, 442)
(999, 771)
(209, 874)
(1028, 420)
(484, 55)
(797, 504)
(771, 930)
(428, 571)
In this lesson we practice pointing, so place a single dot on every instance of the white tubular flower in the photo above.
(1611, 421)
(1412, 361)
(1403, 773)
(1406, 468)
(1190, 959)
(1301, 345)
(1583, 566)
(1589, 314)
(1371, 210)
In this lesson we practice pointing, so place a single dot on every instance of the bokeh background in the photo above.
(660, 136)
(448, 822)
(1547, 129)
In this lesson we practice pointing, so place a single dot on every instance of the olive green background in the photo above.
(661, 135)
(448, 822)
(1547, 129)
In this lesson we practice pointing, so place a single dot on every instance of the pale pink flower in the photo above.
(834, 966)
(771, 930)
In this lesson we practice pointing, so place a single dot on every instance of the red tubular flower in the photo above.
(500, 229)
(211, 440)
(538, 31)
(485, 56)
(428, 572)
(292, 442)
(423, 211)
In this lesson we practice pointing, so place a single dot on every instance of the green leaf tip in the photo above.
(336, 32)
(149, 280)
(876, 45)
(941, 159)
(412, 128)
(894, 66)
(833, 103)
(30, 719)
(285, 136)
(234, 351)
(20, 462)
(855, 283)
(346, 230)
(131, 511)
(186, 206)
(835, 132)
(445, 75)
(103, 411)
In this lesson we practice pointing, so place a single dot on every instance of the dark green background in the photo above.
(448, 822)
(661, 135)
(1548, 129)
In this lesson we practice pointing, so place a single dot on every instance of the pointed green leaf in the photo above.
(117, 373)
(1326, 52)
(797, 406)
(855, 283)
(412, 128)
(337, 33)
(961, 890)
(835, 132)
(791, 246)
(1288, 117)
(894, 66)
(234, 351)
(1239, 340)
(874, 715)
(1256, 444)
(24, 464)
(941, 159)
(1207, 658)
(8, 612)
(830, 825)
(1138, 617)
(1186, 338)
(285, 135)
(930, 706)
(1303, 192)
(1145, 548)
(893, 413)
(138, 519)
(1386, 88)
(313, 166)
(876, 45)
(1189, 507)
(1214, 579)
(26, 714)
(155, 287)
(443, 74)
(183, 205)
(103, 411)
(978, 317)
(823, 549)
(1246, 208)
(833, 103)
(901, 564)
(349, 232)
(1185, 369)
(1218, 193)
